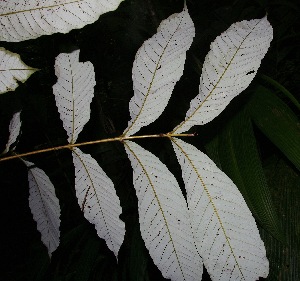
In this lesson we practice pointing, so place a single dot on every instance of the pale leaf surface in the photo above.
(14, 130)
(163, 216)
(225, 231)
(73, 92)
(98, 200)
(28, 19)
(44, 206)
(158, 65)
(12, 69)
(228, 69)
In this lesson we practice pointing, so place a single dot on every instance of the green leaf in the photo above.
(87, 260)
(284, 258)
(278, 122)
(240, 160)
(282, 89)
(138, 256)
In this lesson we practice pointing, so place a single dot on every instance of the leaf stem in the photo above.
(71, 145)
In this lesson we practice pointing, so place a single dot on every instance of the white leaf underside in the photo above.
(44, 206)
(73, 92)
(163, 216)
(14, 131)
(23, 19)
(158, 65)
(98, 200)
(228, 69)
(12, 69)
(226, 234)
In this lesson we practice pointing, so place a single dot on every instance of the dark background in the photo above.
(267, 172)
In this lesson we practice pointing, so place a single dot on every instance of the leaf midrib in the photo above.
(215, 86)
(153, 77)
(45, 209)
(159, 204)
(95, 192)
(41, 8)
(211, 201)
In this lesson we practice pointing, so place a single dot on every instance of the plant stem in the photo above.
(71, 145)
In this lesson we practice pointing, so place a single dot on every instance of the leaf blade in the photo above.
(277, 121)
(229, 68)
(98, 200)
(223, 236)
(73, 92)
(240, 159)
(158, 65)
(12, 69)
(284, 257)
(22, 20)
(14, 131)
(163, 216)
(44, 206)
